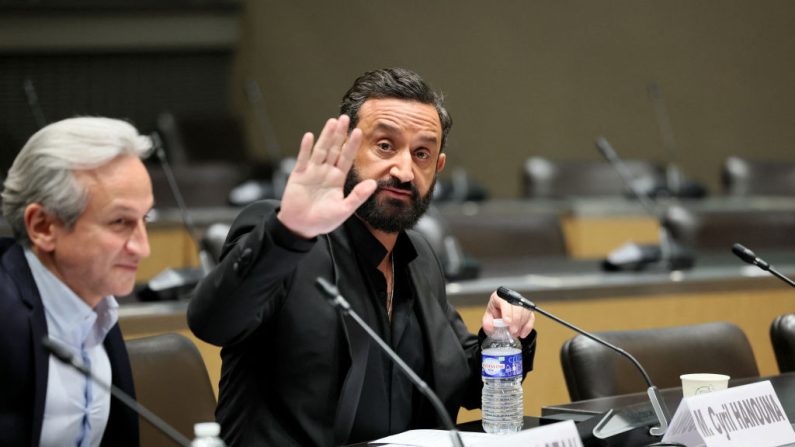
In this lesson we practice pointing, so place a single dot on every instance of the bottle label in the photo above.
(501, 366)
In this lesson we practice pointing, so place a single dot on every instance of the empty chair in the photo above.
(741, 177)
(172, 381)
(592, 370)
(782, 335)
(491, 230)
(544, 178)
(718, 230)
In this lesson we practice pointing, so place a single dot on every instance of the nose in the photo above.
(402, 168)
(138, 243)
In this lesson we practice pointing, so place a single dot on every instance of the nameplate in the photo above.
(559, 434)
(739, 416)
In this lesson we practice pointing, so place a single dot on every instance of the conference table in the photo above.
(632, 414)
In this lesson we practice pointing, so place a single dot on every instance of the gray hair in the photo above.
(43, 171)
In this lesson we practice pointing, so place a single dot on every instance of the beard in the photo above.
(391, 215)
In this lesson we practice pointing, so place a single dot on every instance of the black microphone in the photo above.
(657, 402)
(339, 302)
(170, 283)
(636, 257)
(62, 353)
(750, 257)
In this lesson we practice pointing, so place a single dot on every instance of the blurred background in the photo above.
(521, 77)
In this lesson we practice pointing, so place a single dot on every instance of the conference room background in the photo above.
(521, 77)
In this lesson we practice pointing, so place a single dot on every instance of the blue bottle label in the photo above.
(501, 366)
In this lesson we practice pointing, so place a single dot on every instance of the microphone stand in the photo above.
(676, 258)
(657, 402)
(62, 353)
(204, 256)
(750, 257)
(340, 303)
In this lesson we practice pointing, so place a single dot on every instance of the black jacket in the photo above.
(23, 376)
(292, 367)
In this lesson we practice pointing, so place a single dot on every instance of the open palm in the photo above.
(314, 202)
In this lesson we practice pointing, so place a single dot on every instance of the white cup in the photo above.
(702, 383)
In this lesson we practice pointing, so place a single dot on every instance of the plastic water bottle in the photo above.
(207, 435)
(501, 369)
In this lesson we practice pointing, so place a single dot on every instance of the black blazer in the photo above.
(26, 364)
(293, 369)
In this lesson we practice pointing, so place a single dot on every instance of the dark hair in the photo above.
(397, 83)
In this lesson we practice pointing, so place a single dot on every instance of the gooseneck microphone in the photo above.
(750, 257)
(674, 255)
(62, 353)
(657, 403)
(339, 302)
(187, 221)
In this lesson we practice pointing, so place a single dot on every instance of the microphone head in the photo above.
(326, 288)
(744, 253)
(605, 148)
(514, 298)
(59, 351)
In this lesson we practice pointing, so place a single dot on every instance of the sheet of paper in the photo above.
(428, 438)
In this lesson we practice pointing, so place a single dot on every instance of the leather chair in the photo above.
(782, 335)
(717, 230)
(493, 231)
(741, 177)
(544, 178)
(592, 370)
(170, 380)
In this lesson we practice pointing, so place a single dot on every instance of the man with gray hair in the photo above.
(76, 197)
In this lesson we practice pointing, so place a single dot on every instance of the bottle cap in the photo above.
(206, 429)
(499, 323)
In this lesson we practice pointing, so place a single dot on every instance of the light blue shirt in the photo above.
(76, 410)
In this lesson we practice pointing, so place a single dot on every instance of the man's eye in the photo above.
(422, 155)
(384, 146)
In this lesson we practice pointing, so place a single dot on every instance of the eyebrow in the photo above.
(427, 137)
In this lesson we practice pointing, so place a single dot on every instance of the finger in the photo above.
(322, 145)
(304, 152)
(528, 326)
(349, 150)
(337, 139)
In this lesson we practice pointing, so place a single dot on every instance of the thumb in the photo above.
(360, 193)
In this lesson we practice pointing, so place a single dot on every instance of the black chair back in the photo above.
(592, 370)
(782, 335)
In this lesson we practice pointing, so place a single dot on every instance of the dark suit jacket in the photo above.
(292, 367)
(25, 362)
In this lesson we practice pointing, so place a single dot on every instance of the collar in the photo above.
(69, 318)
(370, 250)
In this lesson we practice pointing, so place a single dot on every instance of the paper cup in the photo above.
(693, 384)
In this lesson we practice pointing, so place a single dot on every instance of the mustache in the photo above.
(397, 184)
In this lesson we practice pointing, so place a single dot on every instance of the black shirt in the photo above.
(388, 398)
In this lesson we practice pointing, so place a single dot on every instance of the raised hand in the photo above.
(313, 202)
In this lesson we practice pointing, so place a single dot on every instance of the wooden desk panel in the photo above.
(596, 236)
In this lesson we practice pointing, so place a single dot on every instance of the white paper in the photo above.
(428, 438)
(565, 433)
(737, 417)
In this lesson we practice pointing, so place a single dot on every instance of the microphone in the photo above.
(62, 353)
(339, 302)
(636, 257)
(171, 282)
(750, 257)
(657, 402)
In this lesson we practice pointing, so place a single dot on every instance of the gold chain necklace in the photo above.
(390, 293)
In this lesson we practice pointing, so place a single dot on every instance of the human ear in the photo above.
(39, 225)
